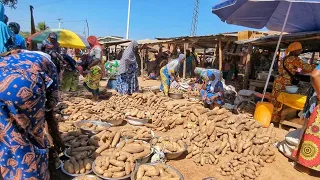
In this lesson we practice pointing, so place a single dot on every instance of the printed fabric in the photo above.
(213, 91)
(292, 64)
(28, 85)
(309, 153)
(165, 80)
(92, 80)
(127, 83)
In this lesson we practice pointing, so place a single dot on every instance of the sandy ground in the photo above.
(281, 169)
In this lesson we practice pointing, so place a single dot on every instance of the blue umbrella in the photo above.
(304, 14)
(275, 15)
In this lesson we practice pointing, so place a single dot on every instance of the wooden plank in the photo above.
(291, 124)
(220, 58)
(248, 67)
(185, 63)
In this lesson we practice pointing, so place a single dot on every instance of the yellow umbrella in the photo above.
(66, 38)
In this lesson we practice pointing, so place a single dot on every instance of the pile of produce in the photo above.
(209, 135)
(106, 141)
(115, 165)
(79, 144)
(156, 171)
(137, 148)
(66, 127)
(77, 165)
(218, 132)
(176, 91)
(137, 133)
(91, 127)
(169, 144)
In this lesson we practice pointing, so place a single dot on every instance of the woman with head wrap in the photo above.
(95, 69)
(30, 140)
(20, 42)
(168, 73)
(51, 46)
(127, 80)
(289, 66)
(212, 89)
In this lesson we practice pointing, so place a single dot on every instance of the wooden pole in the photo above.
(247, 67)
(142, 59)
(220, 58)
(312, 57)
(203, 58)
(185, 63)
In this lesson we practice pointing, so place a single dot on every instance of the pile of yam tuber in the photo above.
(79, 144)
(215, 133)
(137, 148)
(92, 127)
(105, 141)
(169, 144)
(114, 165)
(78, 165)
(66, 127)
(137, 133)
(156, 172)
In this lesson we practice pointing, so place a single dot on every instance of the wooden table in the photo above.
(253, 84)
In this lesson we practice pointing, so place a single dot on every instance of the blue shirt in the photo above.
(20, 42)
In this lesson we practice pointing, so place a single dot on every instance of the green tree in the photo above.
(10, 3)
(41, 26)
(24, 34)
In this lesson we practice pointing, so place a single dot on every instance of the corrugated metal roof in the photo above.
(273, 39)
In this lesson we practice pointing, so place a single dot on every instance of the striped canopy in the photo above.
(66, 38)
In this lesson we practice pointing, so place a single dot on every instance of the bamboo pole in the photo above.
(220, 58)
(247, 67)
(185, 46)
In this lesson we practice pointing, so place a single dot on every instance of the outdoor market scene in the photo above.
(233, 105)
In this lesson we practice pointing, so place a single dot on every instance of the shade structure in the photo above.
(304, 14)
(66, 38)
(276, 15)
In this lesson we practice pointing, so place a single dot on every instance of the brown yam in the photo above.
(118, 174)
(87, 164)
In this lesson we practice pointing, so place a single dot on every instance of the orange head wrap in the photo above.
(293, 47)
(93, 41)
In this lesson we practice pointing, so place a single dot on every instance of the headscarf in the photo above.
(5, 33)
(93, 41)
(293, 47)
(53, 35)
(15, 27)
(128, 57)
(208, 74)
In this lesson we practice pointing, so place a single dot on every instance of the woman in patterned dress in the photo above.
(95, 68)
(212, 89)
(28, 94)
(292, 63)
(168, 73)
(127, 80)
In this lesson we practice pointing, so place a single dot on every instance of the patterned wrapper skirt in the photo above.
(127, 83)
(309, 154)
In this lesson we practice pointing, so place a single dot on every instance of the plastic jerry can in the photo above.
(263, 113)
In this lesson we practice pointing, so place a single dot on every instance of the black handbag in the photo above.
(295, 79)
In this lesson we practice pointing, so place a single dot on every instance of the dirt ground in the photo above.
(280, 169)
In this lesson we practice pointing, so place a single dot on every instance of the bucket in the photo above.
(112, 84)
(263, 113)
